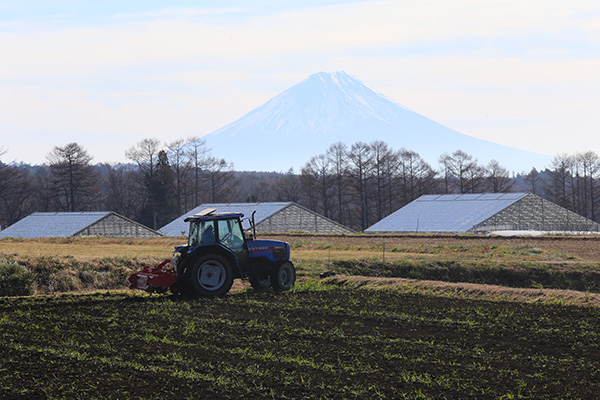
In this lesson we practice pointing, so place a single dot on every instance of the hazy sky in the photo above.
(106, 74)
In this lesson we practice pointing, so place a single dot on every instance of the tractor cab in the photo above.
(223, 230)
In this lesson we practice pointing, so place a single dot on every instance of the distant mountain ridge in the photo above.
(304, 120)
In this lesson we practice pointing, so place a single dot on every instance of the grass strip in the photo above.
(524, 275)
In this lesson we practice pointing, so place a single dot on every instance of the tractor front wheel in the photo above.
(260, 283)
(283, 276)
(212, 276)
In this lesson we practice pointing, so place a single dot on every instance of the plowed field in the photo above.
(319, 341)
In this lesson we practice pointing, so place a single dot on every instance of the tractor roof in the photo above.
(209, 214)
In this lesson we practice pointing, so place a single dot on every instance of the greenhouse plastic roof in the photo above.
(446, 213)
(52, 224)
(179, 227)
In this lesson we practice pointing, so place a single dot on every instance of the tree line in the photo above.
(361, 184)
(355, 185)
(572, 181)
(162, 182)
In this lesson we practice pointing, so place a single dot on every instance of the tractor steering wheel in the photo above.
(226, 237)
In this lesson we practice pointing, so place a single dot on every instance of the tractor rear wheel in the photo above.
(211, 276)
(283, 276)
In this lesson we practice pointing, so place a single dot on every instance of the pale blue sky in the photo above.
(107, 74)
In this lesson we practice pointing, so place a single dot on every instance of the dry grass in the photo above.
(87, 249)
(312, 254)
(322, 248)
(469, 290)
(466, 247)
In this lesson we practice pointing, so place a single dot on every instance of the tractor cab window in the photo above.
(202, 232)
(230, 234)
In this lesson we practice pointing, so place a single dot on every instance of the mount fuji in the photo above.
(304, 120)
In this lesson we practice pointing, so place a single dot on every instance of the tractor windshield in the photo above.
(230, 234)
(201, 232)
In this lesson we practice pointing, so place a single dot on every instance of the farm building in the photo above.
(482, 213)
(269, 217)
(67, 224)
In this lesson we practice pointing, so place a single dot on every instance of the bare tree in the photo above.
(392, 170)
(122, 193)
(73, 177)
(461, 170)
(220, 180)
(289, 188)
(574, 182)
(43, 198)
(497, 178)
(416, 176)
(383, 157)
(360, 169)
(16, 190)
(533, 181)
(309, 189)
(338, 157)
(145, 155)
(589, 163)
(256, 186)
(318, 171)
(198, 160)
(558, 186)
(179, 163)
(446, 172)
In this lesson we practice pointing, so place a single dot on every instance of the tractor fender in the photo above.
(180, 249)
(194, 253)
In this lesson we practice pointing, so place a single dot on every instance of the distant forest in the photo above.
(354, 185)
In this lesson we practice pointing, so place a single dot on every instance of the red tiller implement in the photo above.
(157, 278)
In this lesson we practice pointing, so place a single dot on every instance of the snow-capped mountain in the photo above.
(304, 120)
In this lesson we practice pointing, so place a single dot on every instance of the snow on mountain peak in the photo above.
(321, 103)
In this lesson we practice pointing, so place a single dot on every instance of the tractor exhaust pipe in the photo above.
(253, 226)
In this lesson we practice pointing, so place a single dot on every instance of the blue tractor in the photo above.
(218, 251)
